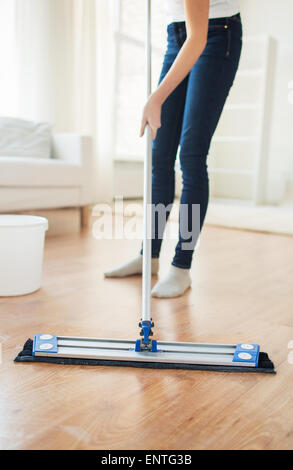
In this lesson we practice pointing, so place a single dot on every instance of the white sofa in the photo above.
(58, 182)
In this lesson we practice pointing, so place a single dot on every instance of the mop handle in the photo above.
(147, 198)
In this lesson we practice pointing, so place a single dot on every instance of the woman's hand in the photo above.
(152, 115)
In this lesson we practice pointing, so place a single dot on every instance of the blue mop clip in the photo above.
(248, 353)
(146, 344)
(45, 344)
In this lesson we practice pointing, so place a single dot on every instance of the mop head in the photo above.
(265, 365)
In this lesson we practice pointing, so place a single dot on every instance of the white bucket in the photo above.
(21, 253)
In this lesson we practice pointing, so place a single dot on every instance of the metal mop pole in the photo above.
(146, 323)
(147, 243)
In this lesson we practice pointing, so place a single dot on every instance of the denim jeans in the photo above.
(189, 118)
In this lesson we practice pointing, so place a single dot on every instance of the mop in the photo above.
(146, 352)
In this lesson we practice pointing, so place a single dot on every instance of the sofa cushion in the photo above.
(34, 172)
(22, 138)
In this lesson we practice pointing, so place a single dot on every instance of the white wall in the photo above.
(8, 86)
(45, 60)
(275, 18)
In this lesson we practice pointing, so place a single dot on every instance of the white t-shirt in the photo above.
(218, 9)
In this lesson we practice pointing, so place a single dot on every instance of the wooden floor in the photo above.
(242, 291)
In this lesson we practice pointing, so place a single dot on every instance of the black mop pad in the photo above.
(265, 365)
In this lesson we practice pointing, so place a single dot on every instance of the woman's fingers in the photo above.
(154, 129)
(143, 126)
(151, 116)
(154, 132)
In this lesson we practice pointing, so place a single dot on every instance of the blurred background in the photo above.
(79, 65)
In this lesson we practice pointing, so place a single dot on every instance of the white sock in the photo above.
(174, 284)
(131, 268)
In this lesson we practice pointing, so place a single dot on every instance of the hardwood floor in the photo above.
(242, 291)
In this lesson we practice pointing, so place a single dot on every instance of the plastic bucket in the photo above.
(21, 253)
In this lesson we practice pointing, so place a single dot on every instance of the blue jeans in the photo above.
(189, 118)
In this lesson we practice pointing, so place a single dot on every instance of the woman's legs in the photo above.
(192, 111)
(209, 83)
